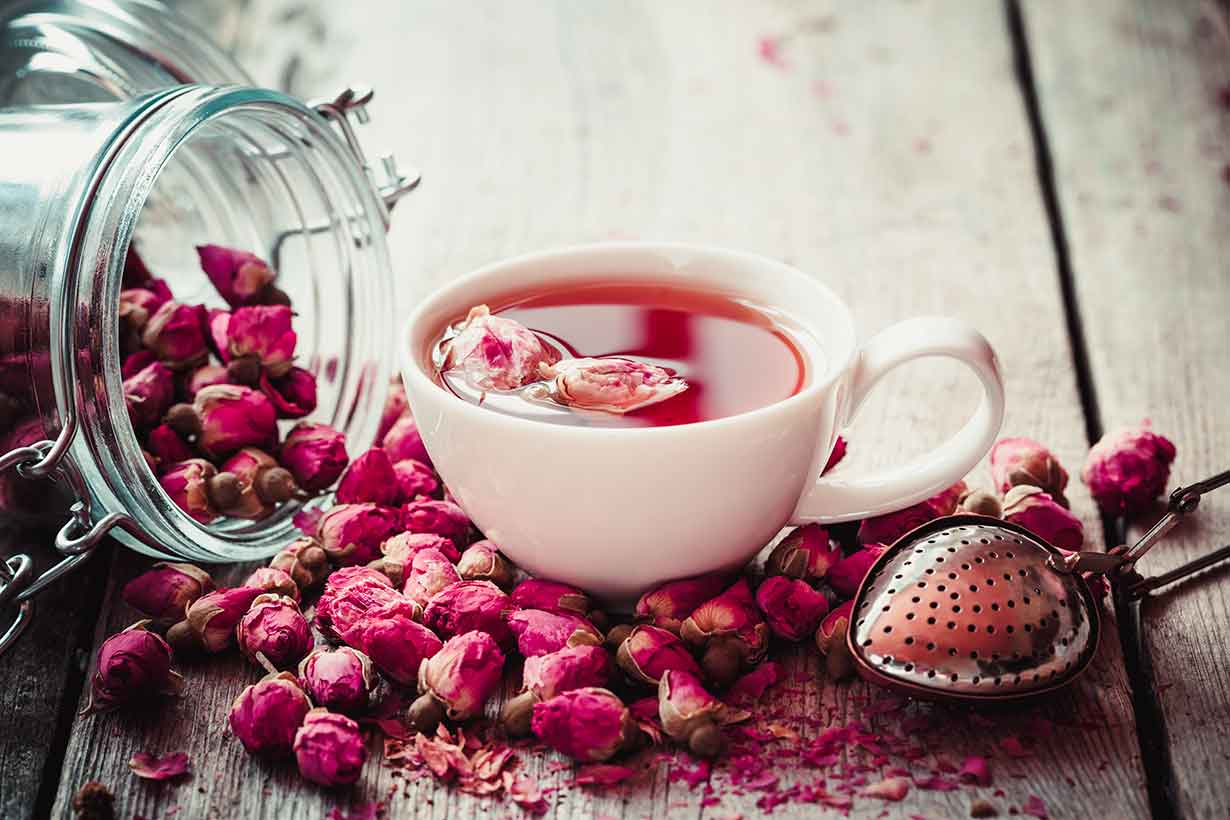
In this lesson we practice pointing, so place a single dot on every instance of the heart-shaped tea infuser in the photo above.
(971, 608)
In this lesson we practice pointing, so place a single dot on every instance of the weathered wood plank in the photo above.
(1136, 97)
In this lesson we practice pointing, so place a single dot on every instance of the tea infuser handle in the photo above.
(848, 497)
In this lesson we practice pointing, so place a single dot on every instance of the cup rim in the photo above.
(834, 365)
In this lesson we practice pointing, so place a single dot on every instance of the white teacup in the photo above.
(618, 510)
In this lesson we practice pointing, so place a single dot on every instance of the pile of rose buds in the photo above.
(407, 598)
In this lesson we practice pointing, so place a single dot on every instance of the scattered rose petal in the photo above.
(604, 774)
(1035, 807)
(151, 767)
(891, 788)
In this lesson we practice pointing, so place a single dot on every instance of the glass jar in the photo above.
(105, 141)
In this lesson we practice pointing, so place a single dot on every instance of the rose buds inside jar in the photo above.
(258, 486)
(133, 666)
(164, 592)
(315, 454)
(693, 716)
(187, 484)
(176, 335)
(649, 652)
(589, 724)
(456, 681)
(232, 417)
(329, 749)
(370, 478)
(262, 335)
(340, 679)
(267, 714)
(545, 676)
(241, 278)
(274, 628)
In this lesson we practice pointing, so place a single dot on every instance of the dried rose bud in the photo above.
(350, 593)
(613, 385)
(495, 353)
(241, 278)
(649, 651)
(133, 666)
(806, 553)
(885, 529)
(466, 606)
(1037, 512)
(148, 394)
(216, 324)
(668, 605)
(369, 478)
(397, 644)
(233, 417)
(293, 395)
(553, 596)
(176, 333)
(456, 681)
(981, 502)
(430, 572)
(136, 362)
(263, 333)
(137, 305)
(397, 553)
(415, 479)
(210, 622)
(267, 714)
(831, 641)
(731, 630)
(167, 446)
(164, 592)
(848, 573)
(404, 441)
(441, 517)
(835, 457)
(341, 679)
(691, 715)
(259, 485)
(1127, 469)
(315, 454)
(792, 608)
(304, 561)
(273, 580)
(545, 676)
(589, 724)
(1016, 461)
(204, 376)
(329, 749)
(482, 561)
(352, 533)
(395, 406)
(187, 485)
(540, 632)
(274, 627)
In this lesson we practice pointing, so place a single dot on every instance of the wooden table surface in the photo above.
(1057, 174)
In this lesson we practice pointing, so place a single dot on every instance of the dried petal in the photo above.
(649, 651)
(890, 788)
(241, 278)
(483, 561)
(210, 621)
(540, 632)
(805, 553)
(304, 561)
(1035, 807)
(495, 353)
(233, 417)
(553, 596)
(186, 485)
(176, 334)
(440, 517)
(148, 393)
(352, 533)
(848, 573)
(604, 774)
(315, 454)
(467, 606)
(1037, 512)
(151, 767)
(463, 674)
(133, 666)
(340, 679)
(274, 627)
(976, 770)
(791, 607)
(403, 441)
(885, 529)
(430, 572)
(589, 724)
(273, 580)
(164, 592)
(751, 687)
(329, 749)
(611, 385)
(831, 641)
(370, 478)
(668, 605)
(1016, 461)
(292, 395)
(265, 333)
(1128, 468)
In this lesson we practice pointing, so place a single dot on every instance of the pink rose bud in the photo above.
(264, 333)
(1037, 512)
(545, 676)
(350, 593)
(164, 592)
(315, 454)
(340, 679)
(538, 593)
(835, 457)
(167, 446)
(404, 441)
(589, 724)
(176, 334)
(216, 324)
(649, 651)
(975, 770)
(241, 278)
(1127, 469)
(369, 477)
(613, 385)
(267, 714)
(495, 353)
(131, 366)
(204, 376)
(137, 305)
(187, 485)
(430, 572)
(848, 573)
(260, 485)
(483, 561)
(293, 395)
(467, 606)
(133, 666)
(352, 533)
(1016, 461)
(273, 580)
(210, 621)
(668, 605)
(792, 608)
(274, 627)
(456, 681)
(885, 529)
(441, 517)
(304, 561)
(395, 406)
(831, 641)
(540, 632)
(415, 479)
(148, 394)
(233, 417)
(806, 553)
(731, 631)
(397, 553)
(329, 749)
(395, 643)
(691, 715)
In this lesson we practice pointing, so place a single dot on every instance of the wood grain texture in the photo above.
(885, 151)
(1136, 97)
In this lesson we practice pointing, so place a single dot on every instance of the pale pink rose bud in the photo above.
(241, 278)
(589, 724)
(835, 457)
(272, 580)
(792, 608)
(441, 517)
(304, 561)
(691, 715)
(315, 454)
(167, 447)
(483, 561)
(540, 632)
(806, 553)
(186, 483)
(403, 441)
(668, 605)
(553, 596)
(140, 301)
(352, 533)
(831, 641)
(329, 749)
(456, 681)
(495, 353)
(430, 572)
(397, 553)
(210, 622)
(264, 333)
(1037, 512)
(1016, 461)
(132, 365)
(848, 573)
(545, 676)
(415, 479)
(885, 529)
(274, 627)
(233, 417)
(369, 477)
(395, 643)
(267, 714)
(468, 606)
(293, 395)
(148, 394)
(176, 334)
(133, 666)
(649, 651)
(612, 385)
(350, 593)
(164, 592)
(204, 376)
(395, 406)
(1128, 468)
(730, 630)
(260, 485)
(341, 679)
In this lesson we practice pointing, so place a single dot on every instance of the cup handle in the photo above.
(848, 497)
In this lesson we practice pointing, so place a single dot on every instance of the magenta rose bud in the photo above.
(340, 679)
(186, 483)
(164, 592)
(649, 651)
(613, 385)
(440, 517)
(148, 394)
(350, 593)
(1016, 461)
(210, 622)
(430, 572)
(849, 572)
(730, 630)
(404, 441)
(370, 478)
(414, 479)
(792, 608)
(831, 641)
(589, 724)
(293, 395)
(241, 278)
(274, 627)
(133, 364)
(806, 553)
(545, 676)
(260, 485)
(352, 533)
(204, 376)
(329, 749)
(176, 334)
(395, 406)
(137, 305)
(456, 681)
(267, 714)
(273, 580)
(468, 606)
(553, 596)
(668, 605)
(264, 333)
(885, 529)
(233, 417)
(315, 454)
(216, 324)
(691, 715)
(395, 643)
(397, 553)
(495, 353)
(482, 561)
(1128, 468)
(1037, 512)
(133, 666)
(167, 447)
(540, 632)
(304, 561)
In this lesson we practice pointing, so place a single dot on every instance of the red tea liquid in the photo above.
(735, 356)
